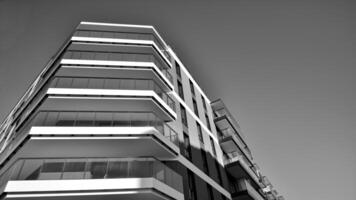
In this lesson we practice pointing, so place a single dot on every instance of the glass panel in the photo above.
(40, 118)
(111, 83)
(66, 119)
(103, 119)
(80, 83)
(117, 169)
(121, 119)
(85, 119)
(31, 170)
(127, 84)
(74, 170)
(51, 170)
(108, 34)
(64, 82)
(87, 55)
(101, 56)
(76, 55)
(139, 119)
(51, 119)
(139, 169)
(96, 169)
(96, 83)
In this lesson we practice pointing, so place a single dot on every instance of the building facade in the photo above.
(116, 115)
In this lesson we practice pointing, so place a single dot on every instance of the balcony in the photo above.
(87, 178)
(243, 190)
(115, 134)
(122, 95)
(240, 168)
(230, 137)
(119, 56)
(122, 34)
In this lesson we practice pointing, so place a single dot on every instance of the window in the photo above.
(213, 146)
(219, 172)
(203, 101)
(180, 90)
(195, 106)
(207, 122)
(192, 194)
(178, 70)
(192, 88)
(205, 161)
(183, 114)
(210, 192)
(200, 133)
(186, 146)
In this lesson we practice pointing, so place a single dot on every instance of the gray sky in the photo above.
(285, 68)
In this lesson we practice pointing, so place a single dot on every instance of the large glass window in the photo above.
(192, 88)
(96, 169)
(183, 114)
(205, 161)
(178, 70)
(186, 146)
(204, 103)
(200, 133)
(180, 89)
(195, 106)
(192, 193)
(51, 170)
(210, 192)
(207, 121)
(118, 169)
(213, 146)
(74, 170)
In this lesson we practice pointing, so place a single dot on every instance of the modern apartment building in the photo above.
(116, 115)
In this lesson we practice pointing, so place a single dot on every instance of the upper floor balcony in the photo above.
(112, 94)
(230, 137)
(239, 167)
(122, 34)
(91, 178)
(119, 56)
(98, 134)
(243, 189)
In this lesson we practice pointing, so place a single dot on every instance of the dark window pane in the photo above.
(96, 170)
(117, 169)
(180, 90)
(74, 170)
(51, 170)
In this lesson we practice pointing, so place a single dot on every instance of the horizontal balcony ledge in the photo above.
(123, 41)
(150, 65)
(114, 93)
(126, 132)
(70, 71)
(121, 188)
(79, 141)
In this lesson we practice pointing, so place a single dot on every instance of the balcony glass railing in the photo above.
(111, 83)
(96, 168)
(118, 56)
(109, 119)
(123, 35)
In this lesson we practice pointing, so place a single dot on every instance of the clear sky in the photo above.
(286, 69)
